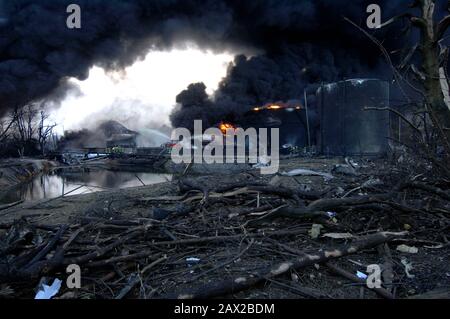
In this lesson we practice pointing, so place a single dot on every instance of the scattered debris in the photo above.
(351, 162)
(338, 235)
(6, 291)
(315, 231)
(191, 261)
(344, 170)
(408, 267)
(407, 249)
(184, 235)
(361, 275)
(331, 214)
(307, 172)
(160, 213)
(372, 182)
(263, 161)
(236, 284)
(47, 292)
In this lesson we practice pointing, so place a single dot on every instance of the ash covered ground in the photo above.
(193, 237)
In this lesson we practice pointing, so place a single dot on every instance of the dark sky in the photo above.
(38, 52)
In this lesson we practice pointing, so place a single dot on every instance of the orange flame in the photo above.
(226, 126)
(277, 107)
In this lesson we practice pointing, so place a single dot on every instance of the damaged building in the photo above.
(121, 143)
(108, 137)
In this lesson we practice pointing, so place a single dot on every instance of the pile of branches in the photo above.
(212, 241)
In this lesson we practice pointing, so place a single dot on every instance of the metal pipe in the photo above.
(307, 120)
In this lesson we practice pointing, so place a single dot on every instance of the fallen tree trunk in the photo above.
(6, 206)
(234, 285)
(427, 188)
(205, 240)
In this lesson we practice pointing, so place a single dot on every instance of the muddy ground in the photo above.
(128, 201)
(255, 236)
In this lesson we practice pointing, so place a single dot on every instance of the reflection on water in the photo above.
(50, 186)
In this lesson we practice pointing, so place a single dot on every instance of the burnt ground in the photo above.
(240, 235)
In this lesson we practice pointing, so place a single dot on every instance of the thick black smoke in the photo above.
(303, 41)
(38, 52)
(256, 81)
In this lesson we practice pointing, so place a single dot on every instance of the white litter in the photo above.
(47, 292)
(192, 261)
(260, 165)
(351, 162)
(331, 214)
(407, 249)
(408, 268)
(263, 161)
(314, 232)
(372, 182)
(361, 275)
(338, 235)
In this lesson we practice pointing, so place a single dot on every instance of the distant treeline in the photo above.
(27, 131)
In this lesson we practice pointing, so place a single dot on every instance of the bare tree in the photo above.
(44, 131)
(5, 127)
(27, 129)
(431, 74)
(24, 127)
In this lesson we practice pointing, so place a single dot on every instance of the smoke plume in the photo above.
(302, 42)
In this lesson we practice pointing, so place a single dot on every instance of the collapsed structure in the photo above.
(122, 143)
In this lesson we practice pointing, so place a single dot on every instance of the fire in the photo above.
(226, 126)
(281, 106)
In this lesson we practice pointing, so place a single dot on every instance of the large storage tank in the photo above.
(345, 127)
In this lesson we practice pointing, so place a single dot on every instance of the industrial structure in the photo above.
(296, 123)
(354, 119)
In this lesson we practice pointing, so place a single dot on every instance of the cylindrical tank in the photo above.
(346, 128)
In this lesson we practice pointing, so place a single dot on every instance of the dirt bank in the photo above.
(129, 200)
(19, 170)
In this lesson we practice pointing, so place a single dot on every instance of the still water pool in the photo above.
(46, 186)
